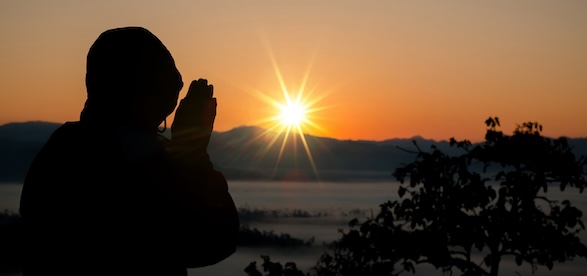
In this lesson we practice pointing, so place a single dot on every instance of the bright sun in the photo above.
(292, 114)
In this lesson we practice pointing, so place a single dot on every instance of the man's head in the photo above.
(131, 79)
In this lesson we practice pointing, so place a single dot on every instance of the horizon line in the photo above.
(414, 137)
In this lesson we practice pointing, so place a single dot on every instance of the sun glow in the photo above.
(292, 115)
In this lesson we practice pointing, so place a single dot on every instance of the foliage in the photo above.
(467, 212)
(255, 237)
(274, 268)
(254, 214)
(486, 201)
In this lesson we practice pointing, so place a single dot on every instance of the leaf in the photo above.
(409, 267)
(492, 193)
(479, 245)
(401, 191)
(519, 260)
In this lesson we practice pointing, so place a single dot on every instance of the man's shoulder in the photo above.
(79, 136)
(69, 128)
(77, 128)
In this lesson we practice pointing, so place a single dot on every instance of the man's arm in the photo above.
(203, 191)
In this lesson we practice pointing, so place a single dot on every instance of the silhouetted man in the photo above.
(108, 195)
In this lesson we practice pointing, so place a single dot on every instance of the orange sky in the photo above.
(380, 69)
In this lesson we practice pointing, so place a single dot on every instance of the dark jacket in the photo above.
(107, 202)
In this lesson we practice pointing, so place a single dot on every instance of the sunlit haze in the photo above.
(370, 70)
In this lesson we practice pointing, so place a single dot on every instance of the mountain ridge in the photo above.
(253, 153)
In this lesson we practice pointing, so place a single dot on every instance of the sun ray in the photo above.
(281, 149)
(290, 113)
(273, 139)
(277, 70)
(308, 152)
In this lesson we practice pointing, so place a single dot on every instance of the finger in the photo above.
(198, 89)
(211, 90)
(202, 84)
(193, 87)
(210, 112)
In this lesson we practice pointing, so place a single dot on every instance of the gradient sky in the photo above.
(374, 69)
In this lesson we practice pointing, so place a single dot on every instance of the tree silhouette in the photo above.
(273, 268)
(468, 212)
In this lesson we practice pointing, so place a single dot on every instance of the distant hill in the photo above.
(35, 131)
(247, 153)
(19, 143)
